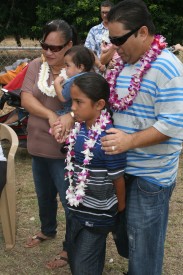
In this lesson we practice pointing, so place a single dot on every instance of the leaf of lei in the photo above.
(43, 78)
(75, 194)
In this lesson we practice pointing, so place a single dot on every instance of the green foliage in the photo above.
(26, 18)
(167, 16)
(168, 19)
(82, 14)
(17, 17)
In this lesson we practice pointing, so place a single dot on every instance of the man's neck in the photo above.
(148, 43)
(105, 24)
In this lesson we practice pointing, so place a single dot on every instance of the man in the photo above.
(94, 37)
(147, 100)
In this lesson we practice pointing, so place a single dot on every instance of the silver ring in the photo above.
(113, 148)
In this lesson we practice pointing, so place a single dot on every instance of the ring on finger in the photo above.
(113, 148)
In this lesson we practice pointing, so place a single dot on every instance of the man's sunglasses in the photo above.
(52, 47)
(120, 40)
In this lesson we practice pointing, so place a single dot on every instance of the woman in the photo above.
(38, 97)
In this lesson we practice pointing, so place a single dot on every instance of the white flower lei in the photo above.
(43, 77)
(75, 194)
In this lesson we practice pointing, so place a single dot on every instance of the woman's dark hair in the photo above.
(58, 25)
(82, 56)
(94, 86)
(132, 14)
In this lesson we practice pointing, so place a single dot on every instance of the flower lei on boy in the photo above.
(117, 104)
(76, 192)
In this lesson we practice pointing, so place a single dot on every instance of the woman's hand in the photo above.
(36, 108)
(62, 127)
(52, 118)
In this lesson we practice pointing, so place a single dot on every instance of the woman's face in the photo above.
(56, 58)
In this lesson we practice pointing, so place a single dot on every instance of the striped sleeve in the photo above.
(169, 108)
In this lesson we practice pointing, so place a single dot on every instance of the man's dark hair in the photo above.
(106, 4)
(132, 14)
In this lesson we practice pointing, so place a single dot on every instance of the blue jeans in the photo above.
(86, 249)
(48, 177)
(147, 207)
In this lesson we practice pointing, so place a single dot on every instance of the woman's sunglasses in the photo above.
(52, 47)
(120, 40)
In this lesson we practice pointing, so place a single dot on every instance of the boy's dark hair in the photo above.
(81, 56)
(94, 86)
(106, 4)
(132, 14)
(58, 25)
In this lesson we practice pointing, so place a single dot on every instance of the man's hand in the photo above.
(116, 141)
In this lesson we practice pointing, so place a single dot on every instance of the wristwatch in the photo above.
(72, 114)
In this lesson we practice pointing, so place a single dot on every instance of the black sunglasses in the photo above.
(120, 40)
(52, 47)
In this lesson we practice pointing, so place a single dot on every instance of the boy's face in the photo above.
(83, 107)
(70, 67)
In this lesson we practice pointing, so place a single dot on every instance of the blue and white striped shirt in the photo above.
(158, 104)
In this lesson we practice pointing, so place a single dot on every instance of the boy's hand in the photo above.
(121, 206)
(59, 80)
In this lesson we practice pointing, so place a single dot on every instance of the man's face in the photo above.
(104, 11)
(130, 51)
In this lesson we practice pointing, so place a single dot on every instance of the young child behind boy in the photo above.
(96, 191)
(78, 60)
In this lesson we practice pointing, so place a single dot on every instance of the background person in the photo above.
(147, 100)
(95, 35)
(39, 98)
(178, 47)
(109, 55)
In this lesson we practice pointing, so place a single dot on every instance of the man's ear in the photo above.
(143, 32)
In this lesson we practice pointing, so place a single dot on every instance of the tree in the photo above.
(24, 18)
(17, 17)
(81, 13)
(168, 19)
(167, 16)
